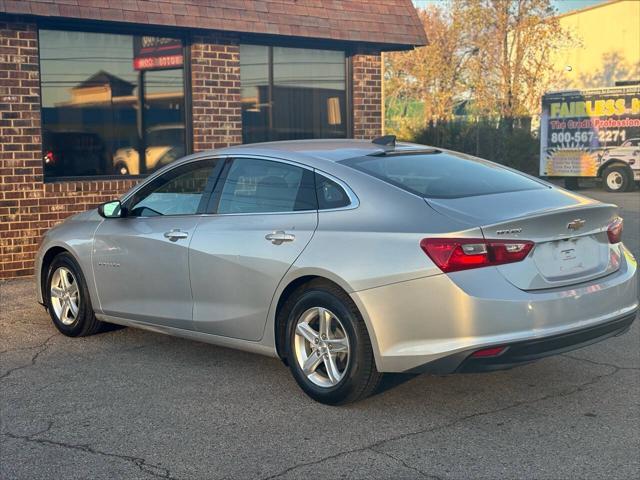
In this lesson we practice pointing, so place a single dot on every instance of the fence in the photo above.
(514, 145)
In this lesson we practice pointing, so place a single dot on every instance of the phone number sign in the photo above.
(157, 53)
(580, 128)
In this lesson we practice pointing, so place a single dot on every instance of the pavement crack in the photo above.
(41, 349)
(144, 466)
(407, 466)
(19, 349)
(374, 446)
(600, 364)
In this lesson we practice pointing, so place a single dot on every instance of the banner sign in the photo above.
(156, 53)
(581, 130)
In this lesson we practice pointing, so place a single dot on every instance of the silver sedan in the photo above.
(347, 259)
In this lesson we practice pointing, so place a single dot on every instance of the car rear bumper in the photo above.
(527, 351)
(435, 323)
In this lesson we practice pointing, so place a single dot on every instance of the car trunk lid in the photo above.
(569, 231)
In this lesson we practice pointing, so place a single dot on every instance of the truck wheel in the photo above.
(571, 183)
(617, 179)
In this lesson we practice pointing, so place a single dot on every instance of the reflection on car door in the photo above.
(265, 215)
(141, 261)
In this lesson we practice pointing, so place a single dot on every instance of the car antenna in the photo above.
(385, 140)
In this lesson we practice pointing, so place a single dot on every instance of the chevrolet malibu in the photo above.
(347, 259)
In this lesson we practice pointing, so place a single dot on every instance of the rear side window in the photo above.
(442, 175)
(263, 186)
(330, 194)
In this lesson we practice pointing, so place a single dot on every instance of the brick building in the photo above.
(95, 94)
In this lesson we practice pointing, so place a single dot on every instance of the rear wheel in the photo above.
(617, 178)
(68, 299)
(328, 348)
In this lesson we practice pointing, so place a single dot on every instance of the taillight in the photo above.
(49, 158)
(614, 231)
(454, 254)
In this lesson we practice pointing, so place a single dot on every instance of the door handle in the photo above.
(279, 237)
(175, 234)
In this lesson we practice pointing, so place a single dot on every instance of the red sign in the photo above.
(157, 53)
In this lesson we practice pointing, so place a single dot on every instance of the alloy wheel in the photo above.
(321, 347)
(65, 295)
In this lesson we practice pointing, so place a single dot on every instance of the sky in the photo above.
(562, 6)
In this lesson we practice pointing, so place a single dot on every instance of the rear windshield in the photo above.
(442, 175)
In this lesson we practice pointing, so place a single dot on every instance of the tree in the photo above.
(514, 39)
(491, 54)
(431, 75)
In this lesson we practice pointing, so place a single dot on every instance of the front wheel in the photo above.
(67, 298)
(328, 347)
(617, 179)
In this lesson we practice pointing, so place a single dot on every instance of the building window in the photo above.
(111, 104)
(292, 93)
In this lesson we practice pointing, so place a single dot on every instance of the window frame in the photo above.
(213, 204)
(70, 25)
(354, 201)
(347, 191)
(214, 199)
(348, 71)
(211, 184)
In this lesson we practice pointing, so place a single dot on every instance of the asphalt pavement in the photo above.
(134, 404)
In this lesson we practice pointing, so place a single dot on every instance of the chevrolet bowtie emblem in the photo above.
(576, 224)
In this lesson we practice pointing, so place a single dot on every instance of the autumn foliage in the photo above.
(486, 60)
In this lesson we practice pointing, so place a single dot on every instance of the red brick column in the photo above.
(20, 166)
(215, 81)
(367, 96)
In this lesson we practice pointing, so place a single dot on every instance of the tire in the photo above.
(64, 268)
(357, 375)
(571, 183)
(617, 179)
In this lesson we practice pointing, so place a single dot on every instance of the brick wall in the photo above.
(367, 96)
(215, 87)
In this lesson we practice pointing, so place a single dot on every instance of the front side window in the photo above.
(179, 191)
(112, 104)
(292, 93)
(262, 186)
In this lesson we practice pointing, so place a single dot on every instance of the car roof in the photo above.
(313, 151)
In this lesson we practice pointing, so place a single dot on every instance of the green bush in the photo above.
(512, 145)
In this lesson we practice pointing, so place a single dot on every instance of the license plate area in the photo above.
(571, 258)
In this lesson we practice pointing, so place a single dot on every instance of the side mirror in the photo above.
(111, 209)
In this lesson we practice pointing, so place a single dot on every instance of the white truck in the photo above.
(592, 134)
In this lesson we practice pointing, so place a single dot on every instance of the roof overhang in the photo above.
(372, 24)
